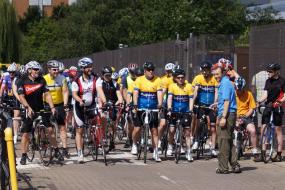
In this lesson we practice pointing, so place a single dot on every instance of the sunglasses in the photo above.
(107, 75)
(53, 69)
(149, 70)
(35, 69)
(12, 72)
(270, 71)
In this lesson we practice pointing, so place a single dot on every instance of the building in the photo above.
(46, 6)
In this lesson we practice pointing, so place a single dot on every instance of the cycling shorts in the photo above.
(79, 116)
(185, 120)
(28, 122)
(138, 119)
(208, 112)
(277, 116)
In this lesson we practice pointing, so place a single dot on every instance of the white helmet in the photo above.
(12, 67)
(33, 65)
(169, 66)
(22, 70)
(123, 71)
(84, 62)
(61, 66)
(53, 64)
(73, 68)
(115, 76)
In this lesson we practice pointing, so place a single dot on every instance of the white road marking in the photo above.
(167, 179)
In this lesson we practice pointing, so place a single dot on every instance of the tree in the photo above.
(10, 38)
(32, 15)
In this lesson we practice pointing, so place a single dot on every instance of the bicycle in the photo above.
(268, 139)
(40, 140)
(203, 133)
(122, 126)
(241, 140)
(178, 142)
(143, 140)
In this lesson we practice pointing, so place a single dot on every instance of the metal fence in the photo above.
(188, 53)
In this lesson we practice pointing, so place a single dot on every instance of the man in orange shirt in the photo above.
(245, 108)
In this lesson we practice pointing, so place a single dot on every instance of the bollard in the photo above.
(11, 157)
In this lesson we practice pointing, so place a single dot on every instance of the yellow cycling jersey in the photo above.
(206, 92)
(119, 81)
(180, 96)
(55, 87)
(166, 81)
(147, 91)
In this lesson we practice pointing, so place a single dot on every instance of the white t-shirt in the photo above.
(258, 80)
(87, 88)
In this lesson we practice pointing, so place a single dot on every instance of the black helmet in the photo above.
(273, 66)
(139, 72)
(106, 70)
(178, 71)
(148, 65)
(205, 65)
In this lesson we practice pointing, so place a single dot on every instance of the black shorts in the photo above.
(185, 120)
(208, 112)
(277, 116)
(60, 113)
(79, 116)
(28, 122)
(138, 119)
(246, 122)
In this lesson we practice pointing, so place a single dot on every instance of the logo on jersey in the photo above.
(30, 88)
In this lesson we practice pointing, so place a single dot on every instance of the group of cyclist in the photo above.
(68, 93)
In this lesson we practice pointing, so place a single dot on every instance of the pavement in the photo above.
(125, 172)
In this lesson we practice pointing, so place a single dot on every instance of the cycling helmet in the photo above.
(33, 65)
(53, 64)
(85, 62)
(224, 64)
(106, 70)
(61, 67)
(205, 65)
(169, 66)
(22, 70)
(123, 72)
(72, 68)
(178, 71)
(240, 83)
(139, 72)
(148, 65)
(132, 67)
(273, 66)
(115, 76)
(12, 67)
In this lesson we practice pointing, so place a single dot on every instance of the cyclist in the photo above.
(273, 98)
(180, 100)
(84, 94)
(205, 94)
(72, 74)
(226, 121)
(58, 89)
(7, 96)
(30, 88)
(128, 81)
(166, 81)
(115, 77)
(147, 95)
(111, 94)
(245, 108)
(129, 102)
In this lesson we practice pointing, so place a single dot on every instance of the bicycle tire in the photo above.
(178, 143)
(139, 146)
(104, 151)
(87, 144)
(146, 131)
(94, 148)
(202, 131)
(266, 140)
(31, 149)
(45, 149)
(164, 141)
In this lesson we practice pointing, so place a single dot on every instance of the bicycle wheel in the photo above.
(87, 144)
(31, 148)
(105, 147)
(239, 145)
(140, 145)
(201, 139)
(45, 149)
(267, 143)
(95, 143)
(178, 143)
(146, 131)
(164, 142)
(120, 129)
